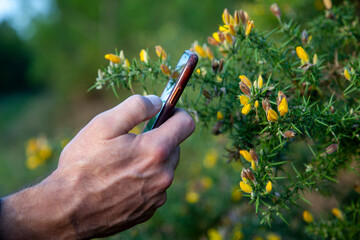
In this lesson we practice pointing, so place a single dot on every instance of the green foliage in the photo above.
(320, 85)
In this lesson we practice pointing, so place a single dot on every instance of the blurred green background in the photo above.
(50, 51)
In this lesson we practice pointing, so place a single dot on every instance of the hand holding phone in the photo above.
(174, 89)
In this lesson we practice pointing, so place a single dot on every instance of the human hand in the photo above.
(107, 179)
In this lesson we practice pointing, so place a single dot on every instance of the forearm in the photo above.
(37, 212)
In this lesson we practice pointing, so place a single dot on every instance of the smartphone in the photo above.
(174, 88)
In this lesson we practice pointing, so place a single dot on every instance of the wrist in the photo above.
(38, 212)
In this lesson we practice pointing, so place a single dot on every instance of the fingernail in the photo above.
(155, 100)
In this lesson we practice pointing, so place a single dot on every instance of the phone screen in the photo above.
(169, 87)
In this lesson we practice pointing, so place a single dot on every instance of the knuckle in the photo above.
(162, 200)
(159, 153)
(167, 180)
(140, 102)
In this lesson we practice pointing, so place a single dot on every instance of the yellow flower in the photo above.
(249, 26)
(260, 82)
(200, 50)
(192, 197)
(272, 115)
(226, 16)
(160, 52)
(236, 195)
(213, 234)
(327, 4)
(218, 78)
(246, 187)
(38, 151)
(113, 58)
(210, 158)
(236, 18)
(126, 63)
(337, 213)
(228, 29)
(206, 182)
(209, 53)
(268, 187)
(347, 74)
(256, 104)
(244, 99)
(216, 37)
(238, 235)
(283, 107)
(246, 109)
(315, 59)
(246, 155)
(302, 54)
(272, 236)
(165, 70)
(228, 38)
(33, 162)
(307, 216)
(253, 165)
(219, 116)
(144, 56)
(245, 80)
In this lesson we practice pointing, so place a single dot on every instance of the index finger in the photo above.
(175, 130)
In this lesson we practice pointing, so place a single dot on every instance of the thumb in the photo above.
(125, 116)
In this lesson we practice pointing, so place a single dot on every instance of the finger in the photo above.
(173, 159)
(175, 130)
(128, 114)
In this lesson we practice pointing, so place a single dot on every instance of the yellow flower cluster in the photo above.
(247, 175)
(231, 26)
(282, 107)
(38, 151)
(245, 85)
(203, 51)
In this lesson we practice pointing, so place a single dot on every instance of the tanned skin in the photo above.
(107, 179)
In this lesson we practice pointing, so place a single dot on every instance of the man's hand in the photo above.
(107, 179)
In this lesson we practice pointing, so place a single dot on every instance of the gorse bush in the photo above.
(293, 87)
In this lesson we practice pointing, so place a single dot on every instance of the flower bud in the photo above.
(332, 148)
(265, 104)
(244, 88)
(236, 18)
(247, 174)
(206, 93)
(221, 65)
(215, 65)
(289, 134)
(226, 17)
(282, 103)
(244, 17)
(165, 70)
(268, 187)
(254, 155)
(304, 37)
(275, 10)
(160, 52)
(337, 213)
(249, 26)
(209, 53)
(327, 4)
(212, 41)
(221, 36)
